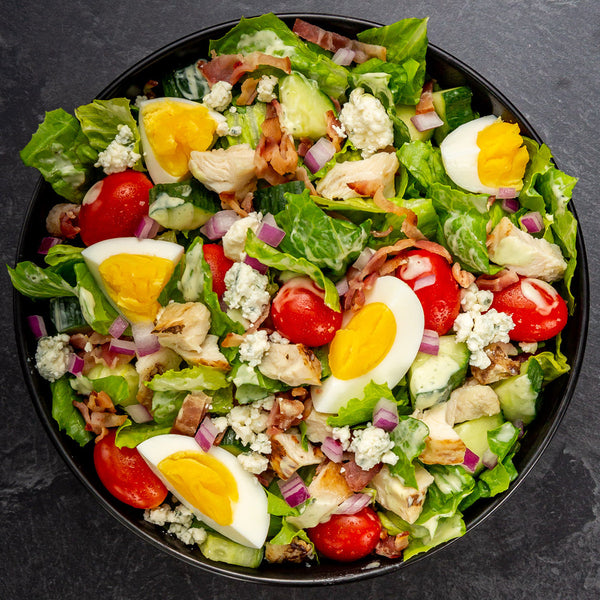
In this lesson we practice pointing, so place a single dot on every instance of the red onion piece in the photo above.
(363, 258)
(423, 282)
(218, 225)
(533, 222)
(354, 504)
(415, 267)
(342, 286)
(75, 365)
(471, 460)
(122, 347)
(520, 426)
(147, 228)
(489, 459)
(37, 326)
(532, 290)
(343, 57)
(145, 341)
(47, 243)
(118, 327)
(427, 120)
(430, 344)
(510, 205)
(256, 264)
(506, 193)
(139, 413)
(294, 490)
(206, 434)
(385, 415)
(332, 449)
(270, 234)
(318, 154)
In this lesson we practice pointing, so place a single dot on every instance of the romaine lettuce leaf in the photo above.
(69, 419)
(131, 434)
(35, 282)
(360, 410)
(166, 405)
(114, 385)
(424, 163)
(251, 384)
(63, 254)
(409, 441)
(198, 377)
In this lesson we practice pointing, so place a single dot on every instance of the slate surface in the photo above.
(57, 544)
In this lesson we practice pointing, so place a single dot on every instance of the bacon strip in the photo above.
(249, 93)
(99, 414)
(425, 103)
(228, 201)
(329, 40)
(496, 283)
(463, 278)
(284, 414)
(358, 478)
(334, 127)
(191, 413)
(392, 546)
(63, 220)
(232, 67)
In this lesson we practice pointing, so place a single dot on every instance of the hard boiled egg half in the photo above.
(132, 273)
(378, 343)
(213, 485)
(484, 155)
(170, 129)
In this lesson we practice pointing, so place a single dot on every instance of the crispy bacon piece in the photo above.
(304, 146)
(392, 546)
(232, 67)
(249, 93)
(99, 414)
(228, 200)
(329, 40)
(425, 103)
(284, 414)
(463, 278)
(358, 478)
(497, 282)
(334, 127)
(63, 220)
(191, 413)
(302, 175)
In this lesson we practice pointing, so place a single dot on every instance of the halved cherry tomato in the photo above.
(114, 206)
(219, 265)
(347, 537)
(430, 276)
(126, 475)
(300, 314)
(536, 308)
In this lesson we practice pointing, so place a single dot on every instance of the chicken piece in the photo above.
(474, 400)
(316, 426)
(284, 414)
(380, 167)
(392, 494)
(443, 445)
(294, 364)
(209, 354)
(191, 413)
(296, 551)
(501, 367)
(520, 251)
(228, 170)
(287, 454)
(328, 490)
(153, 364)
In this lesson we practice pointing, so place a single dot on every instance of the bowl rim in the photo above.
(376, 567)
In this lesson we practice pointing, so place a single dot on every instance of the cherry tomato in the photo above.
(536, 308)
(114, 206)
(219, 265)
(347, 537)
(430, 276)
(300, 314)
(126, 475)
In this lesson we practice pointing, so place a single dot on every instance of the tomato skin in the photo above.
(531, 324)
(300, 314)
(347, 537)
(115, 207)
(219, 264)
(126, 475)
(440, 300)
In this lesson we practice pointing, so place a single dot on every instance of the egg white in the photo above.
(408, 313)
(250, 517)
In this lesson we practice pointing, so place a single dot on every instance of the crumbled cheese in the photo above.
(265, 403)
(367, 123)
(233, 109)
(180, 520)
(220, 423)
(234, 240)
(253, 348)
(277, 338)
(371, 446)
(52, 356)
(474, 299)
(219, 97)
(235, 131)
(139, 100)
(246, 290)
(343, 435)
(529, 347)
(253, 462)
(249, 422)
(265, 88)
(119, 154)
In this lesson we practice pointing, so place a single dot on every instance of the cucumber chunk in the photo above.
(432, 378)
(66, 315)
(220, 549)
(232, 444)
(453, 106)
(474, 434)
(188, 83)
(405, 112)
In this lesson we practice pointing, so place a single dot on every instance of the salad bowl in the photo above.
(449, 72)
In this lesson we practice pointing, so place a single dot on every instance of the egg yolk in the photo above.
(134, 282)
(502, 157)
(204, 482)
(363, 343)
(174, 129)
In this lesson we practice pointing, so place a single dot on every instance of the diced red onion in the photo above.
(37, 325)
(145, 341)
(122, 346)
(510, 205)
(294, 490)
(423, 282)
(520, 426)
(139, 413)
(256, 264)
(354, 504)
(533, 222)
(118, 327)
(385, 415)
(343, 56)
(430, 344)
(75, 365)
(363, 258)
(489, 459)
(545, 302)
(506, 193)
(332, 449)
(427, 120)
(270, 234)
(147, 228)
(342, 286)
(47, 243)
(318, 154)
(416, 266)
(471, 460)
(218, 225)
(206, 434)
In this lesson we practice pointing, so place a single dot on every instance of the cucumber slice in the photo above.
(474, 434)
(66, 315)
(220, 549)
(304, 106)
(405, 112)
(232, 444)
(453, 106)
(188, 83)
(432, 378)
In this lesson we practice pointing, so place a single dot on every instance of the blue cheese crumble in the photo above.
(52, 356)
(371, 446)
(119, 154)
(180, 521)
(219, 97)
(246, 289)
(266, 88)
(254, 347)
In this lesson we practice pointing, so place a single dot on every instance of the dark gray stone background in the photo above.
(56, 542)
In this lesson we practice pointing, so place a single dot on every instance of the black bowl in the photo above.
(449, 72)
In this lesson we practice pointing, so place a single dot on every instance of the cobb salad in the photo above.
(303, 301)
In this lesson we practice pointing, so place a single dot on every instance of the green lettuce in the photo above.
(113, 385)
(166, 405)
(251, 384)
(63, 254)
(360, 410)
(272, 199)
(35, 282)
(424, 163)
(409, 442)
(198, 377)
(130, 434)
(69, 419)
